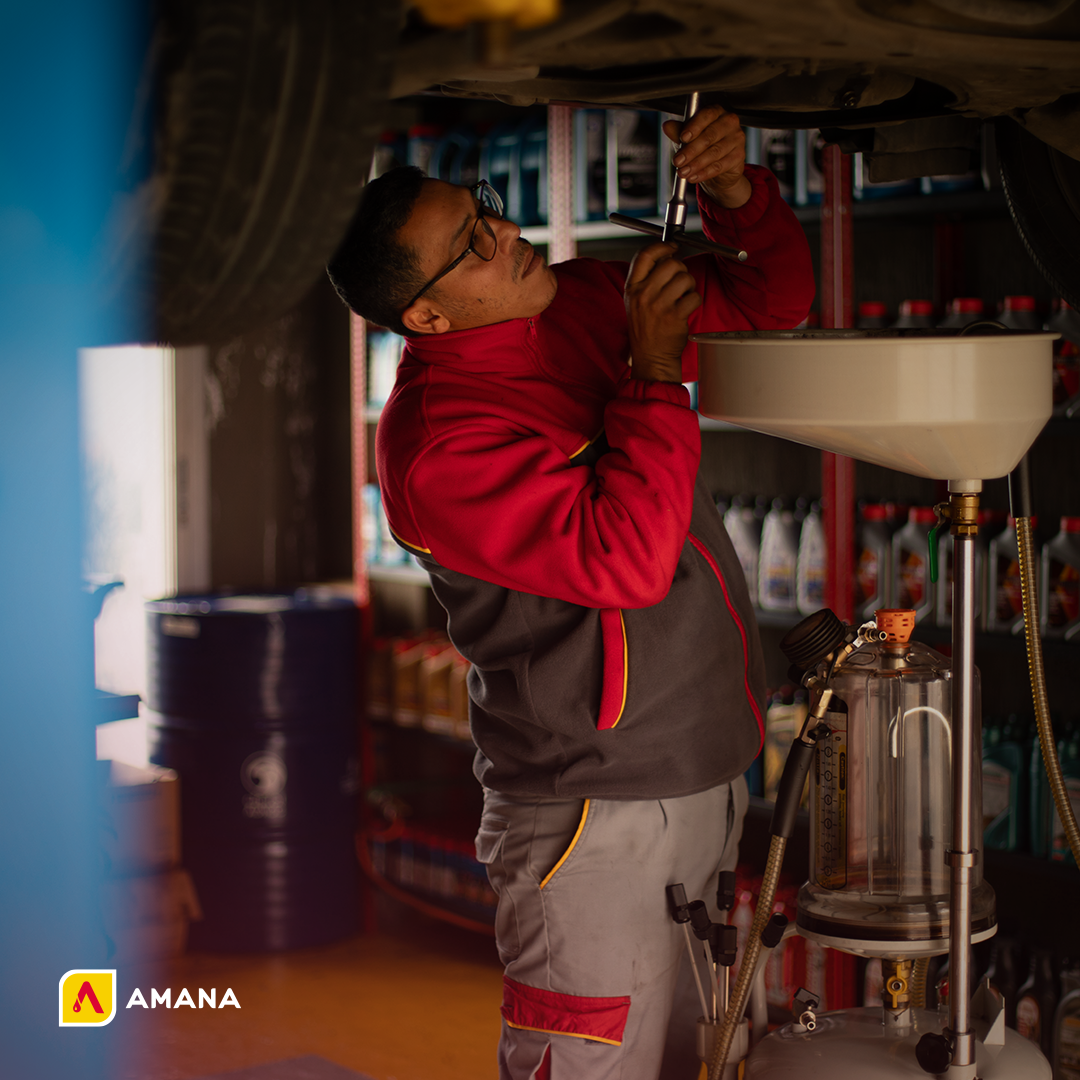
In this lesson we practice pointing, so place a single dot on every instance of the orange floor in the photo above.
(418, 1001)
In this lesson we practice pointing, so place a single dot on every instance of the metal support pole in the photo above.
(837, 471)
(560, 184)
(962, 856)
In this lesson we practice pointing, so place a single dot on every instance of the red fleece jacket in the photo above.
(554, 501)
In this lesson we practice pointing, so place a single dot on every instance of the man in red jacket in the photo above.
(539, 457)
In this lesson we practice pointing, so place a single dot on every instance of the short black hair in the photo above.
(372, 271)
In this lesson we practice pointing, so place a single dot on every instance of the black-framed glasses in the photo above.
(482, 241)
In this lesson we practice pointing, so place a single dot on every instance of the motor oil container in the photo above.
(944, 591)
(862, 187)
(809, 169)
(446, 157)
(1066, 322)
(389, 153)
(533, 188)
(1004, 600)
(961, 312)
(873, 553)
(1037, 1002)
(420, 145)
(778, 155)
(744, 528)
(915, 314)
(784, 719)
(881, 804)
(632, 152)
(1018, 313)
(1069, 756)
(872, 315)
(1059, 593)
(810, 565)
(500, 163)
(1041, 801)
(1006, 753)
(778, 561)
(590, 164)
(911, 584)
(1066, 1038)
(1004, 975)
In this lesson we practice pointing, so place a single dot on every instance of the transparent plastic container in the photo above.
(881, 808)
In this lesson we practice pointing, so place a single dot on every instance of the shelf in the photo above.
(970, 203)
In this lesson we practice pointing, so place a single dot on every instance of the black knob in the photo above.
(808, 643)
(934, 1052)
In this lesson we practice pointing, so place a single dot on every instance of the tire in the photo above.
(268, 112)
(1042, 186)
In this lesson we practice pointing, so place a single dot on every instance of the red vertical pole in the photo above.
(562, 245)
(837, 471)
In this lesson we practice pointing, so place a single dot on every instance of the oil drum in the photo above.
(254, 702)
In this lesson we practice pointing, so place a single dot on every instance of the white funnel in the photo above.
(946, 407)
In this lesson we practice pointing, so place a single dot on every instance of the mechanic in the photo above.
(539, 456)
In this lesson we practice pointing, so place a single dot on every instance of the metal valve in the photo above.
(803, 1009)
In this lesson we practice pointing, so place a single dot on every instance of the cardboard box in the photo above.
(142, 829)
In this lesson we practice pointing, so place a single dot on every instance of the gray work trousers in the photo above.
(597, 983)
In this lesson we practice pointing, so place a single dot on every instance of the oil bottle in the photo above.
(1037, 1002)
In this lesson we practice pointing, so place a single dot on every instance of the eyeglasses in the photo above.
(482, 241)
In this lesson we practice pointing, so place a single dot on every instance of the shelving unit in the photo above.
(942, 218)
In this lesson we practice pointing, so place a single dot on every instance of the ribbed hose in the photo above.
(762, 914)
(1038, 686)
(918, 982)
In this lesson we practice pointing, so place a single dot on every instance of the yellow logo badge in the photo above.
(88, 997)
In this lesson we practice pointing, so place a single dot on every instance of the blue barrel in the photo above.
(256, 700)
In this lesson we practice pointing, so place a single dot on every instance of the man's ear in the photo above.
(421, 318)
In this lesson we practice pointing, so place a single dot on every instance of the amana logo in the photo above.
(206, 997)
(88, 997)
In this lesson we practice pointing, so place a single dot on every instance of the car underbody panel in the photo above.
(814, 63)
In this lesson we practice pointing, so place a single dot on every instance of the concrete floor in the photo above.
(418, 1001)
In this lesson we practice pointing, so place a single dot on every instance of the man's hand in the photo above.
(712, 154)
(660, 297)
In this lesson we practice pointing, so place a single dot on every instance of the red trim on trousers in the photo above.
(600, 1018)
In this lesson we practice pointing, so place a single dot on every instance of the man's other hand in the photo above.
(660, 297)
(712, 154)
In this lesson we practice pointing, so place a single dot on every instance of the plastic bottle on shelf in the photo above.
(590, 164)
(873, 553)
(1066, 1038)
(1059, 594)
(389, 153)
(980, 551)
(810, 566)
(1037, 1002)
(1018, 313)
(962, 311)
(1004, 600)
(500, 163)
(778, 155)
(784, 719)
(1005, 760)
(1066, 322)
(915, 314)
(1004, 974)
(809, 169)
(420, 145)
(778, 561)
(532, 208)
(1069, 755)
(446, 157)
(1040, 802)
(632, 152)
(862, 187)
(911, 584)
(872, 315)
(744, 529)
